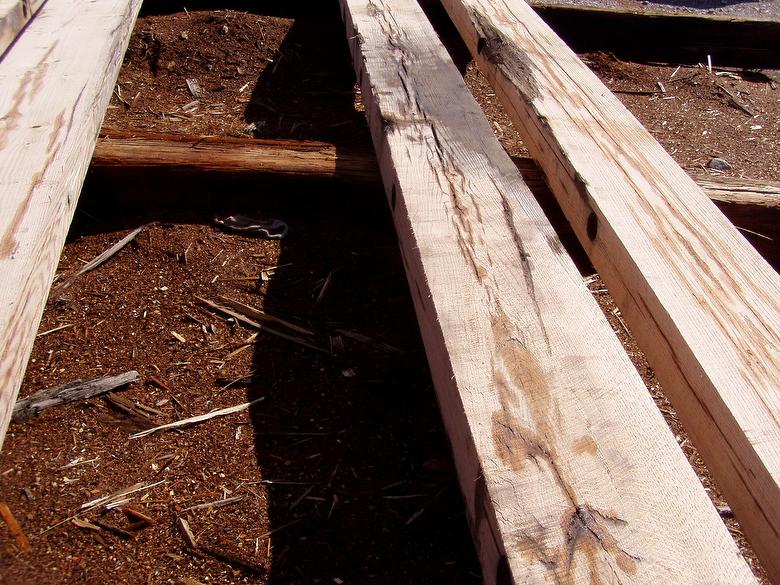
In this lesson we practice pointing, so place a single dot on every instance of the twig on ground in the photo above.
(215, 504)
(95, 262)
(118, 495)
(252, 323)
(14, 528)
(197, 419)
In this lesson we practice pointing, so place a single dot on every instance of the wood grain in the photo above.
(187, 153)
(14, 16)
(569, 473)
(703, 305)
(55, 84)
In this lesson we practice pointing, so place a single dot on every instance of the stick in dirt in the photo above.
(197, 419)
(70, 392)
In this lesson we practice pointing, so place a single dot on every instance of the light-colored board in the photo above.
(55, 84)
(703, 305)
(14, 16)
(568, 471)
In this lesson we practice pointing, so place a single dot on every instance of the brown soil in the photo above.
(344, 466)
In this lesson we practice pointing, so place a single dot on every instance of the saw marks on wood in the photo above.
(55, 84)
(570, 474)
(703, 305)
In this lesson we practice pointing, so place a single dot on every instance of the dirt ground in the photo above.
(342, 471)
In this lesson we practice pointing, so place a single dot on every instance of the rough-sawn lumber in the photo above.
(55, 83)
(14, 15)
(568, 470)
(703, 305)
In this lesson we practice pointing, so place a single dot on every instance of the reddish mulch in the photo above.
(344, 467)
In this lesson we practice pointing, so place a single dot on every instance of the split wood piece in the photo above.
(239, 316)
(202, 550)
(95, 262)
(198, 419)
(55, 84)
(14, 528)
(14, 16)
(215, 504)
(702, 304)
(118, 495)
(639, 33)
(187, 153)
(70, 392)
(259, 315)
(568, 470)
(745, 202)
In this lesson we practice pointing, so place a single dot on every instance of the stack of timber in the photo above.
(55, 83)
(14, 16)
(702, 304)
(569, 472)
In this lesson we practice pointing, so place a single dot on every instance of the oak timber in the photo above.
(14, 15)
(55, 83)
(703, 305)
(569, 473)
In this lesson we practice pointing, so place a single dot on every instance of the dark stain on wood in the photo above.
(510, 60)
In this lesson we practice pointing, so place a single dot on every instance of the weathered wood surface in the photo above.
(55, 84)
(569, 473)
(703, 305)
(187, 153)
(70, 392)
(14, 16)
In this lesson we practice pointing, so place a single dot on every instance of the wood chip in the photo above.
(186, 533)
(14, 528)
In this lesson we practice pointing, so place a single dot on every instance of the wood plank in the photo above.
(703, 305)
(14, 16)
(55, 84)
(569, 473)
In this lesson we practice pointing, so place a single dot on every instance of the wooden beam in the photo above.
(753, 206)
(134, 150)
(14, 16)
(569, 473)
(654, 35)
(55, 84)
(703, 305)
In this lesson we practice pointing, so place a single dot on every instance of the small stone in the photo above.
(185, 35)
(718, 164)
